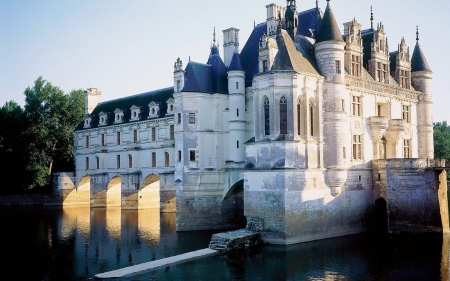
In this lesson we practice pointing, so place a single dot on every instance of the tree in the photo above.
(52, 117)
(441, 140)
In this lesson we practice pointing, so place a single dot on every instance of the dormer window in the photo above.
(170, 106)
(118, 116)
(103, 119)
(154, 110)
(135, 113)
(87, 122)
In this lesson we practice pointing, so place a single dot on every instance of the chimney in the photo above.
(91, 100)
(229, 46)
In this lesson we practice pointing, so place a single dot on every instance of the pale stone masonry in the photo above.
(306, 131)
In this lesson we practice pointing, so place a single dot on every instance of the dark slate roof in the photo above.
(289, 58)
(329, 29)
(235, 64)
(418, 60)
(393, 61)
(219, 74)
(125, 104)
(249, 55)
(367, 37)
(197, 78)
(214, 50)
(307, 20)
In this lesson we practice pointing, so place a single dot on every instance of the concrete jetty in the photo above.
(140, 268)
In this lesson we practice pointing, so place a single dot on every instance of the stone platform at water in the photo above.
(234, 240)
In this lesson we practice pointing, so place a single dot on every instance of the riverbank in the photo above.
(22, 200)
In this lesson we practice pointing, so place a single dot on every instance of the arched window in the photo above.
(311, 118)
(266, 116)
(167, 160)
(298, 118)
(283, 116)
(382, 148)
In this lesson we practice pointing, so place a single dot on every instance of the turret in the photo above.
(274, 15)
(330, 53)
(91, 100)
(421, 76)
(178, 76)
(237, 123)
(291, 18)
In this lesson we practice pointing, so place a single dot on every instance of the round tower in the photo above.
(421, 76)
(330, 53)
(237, 123)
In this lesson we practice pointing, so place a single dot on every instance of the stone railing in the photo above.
(379, 120)
(101, 149)
(379, 87)
(133, 145)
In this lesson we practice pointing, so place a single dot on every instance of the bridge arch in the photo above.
(81, 195)
(114, 192)
(233, 205)
(149, 193)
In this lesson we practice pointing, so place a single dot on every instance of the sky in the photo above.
(126, 47)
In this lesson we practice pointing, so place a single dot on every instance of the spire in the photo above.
(329, 29)
(371, 17)
(214, 36)
(214, 48)
(418, 60)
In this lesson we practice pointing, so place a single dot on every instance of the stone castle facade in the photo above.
(302, 134)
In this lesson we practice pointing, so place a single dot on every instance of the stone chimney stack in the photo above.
(91, 100)
(229, 45)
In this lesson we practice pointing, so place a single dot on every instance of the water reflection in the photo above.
(76, 243)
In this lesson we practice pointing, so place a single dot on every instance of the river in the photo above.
(77, 243)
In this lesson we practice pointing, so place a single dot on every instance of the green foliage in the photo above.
(441, 140)
(35, 137)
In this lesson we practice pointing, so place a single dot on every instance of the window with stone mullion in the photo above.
(283, 116)
(266, 116)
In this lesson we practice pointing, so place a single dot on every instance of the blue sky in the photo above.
(129, 47)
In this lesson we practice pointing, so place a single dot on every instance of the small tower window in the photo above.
(167, 159)
(98, 162)
(130, 161)
(237, 85)
(299, 121)
(118, 162)
(191, 118)
(283, 116)
(103, 139)
(179, 155)
(237, 144)
(266, 116)
(311, 119)
(87, 163)
(172, 132)
(237, 112)
(153, 159)
(264, 66)
(338, 66)
(192, 155)
(179, 118)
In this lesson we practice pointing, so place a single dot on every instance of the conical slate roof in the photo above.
(235, 64)
(329, 29)
(418, 60)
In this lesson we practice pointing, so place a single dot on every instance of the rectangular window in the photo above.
(172, 132)
(338, 66)
(167, 159)
(237, 144)
(344, 153)
(192, 155)
(237, 85)
(264, 66)
(298, 119)
(118, 138)
(98, 163)
(379, 71)
(356, 106)
(103, 139)
(406, 150)
(385, 73)
(357, 147)
(118, 162)
(179, 155)
(87, 141)
(191, 118)
(153, 159)
(153, 134)
(343, 105)
(87, 163)
(130, 161)
(179, 118)
(356, 62)
(135, 140)
(237, 112)
(404, 79)
(406, 113)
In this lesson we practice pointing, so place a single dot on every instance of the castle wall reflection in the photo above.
(78, 242)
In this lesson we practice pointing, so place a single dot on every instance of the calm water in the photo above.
(77, 243)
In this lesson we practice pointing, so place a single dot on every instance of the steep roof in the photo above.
(329, 29)
(235, 64)
(125, 104)
(418, 60)
(198, 78)
(249, 55)
(309, 19)
(219, 74)
(289, 57)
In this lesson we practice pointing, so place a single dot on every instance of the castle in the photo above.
(306, 133)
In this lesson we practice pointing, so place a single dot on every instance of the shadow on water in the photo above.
(77, 243)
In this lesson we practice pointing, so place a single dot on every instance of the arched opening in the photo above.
(81, 195)
(233, 205)
(113, 193)
(148, 197)
(381, 216)
(382, 148)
